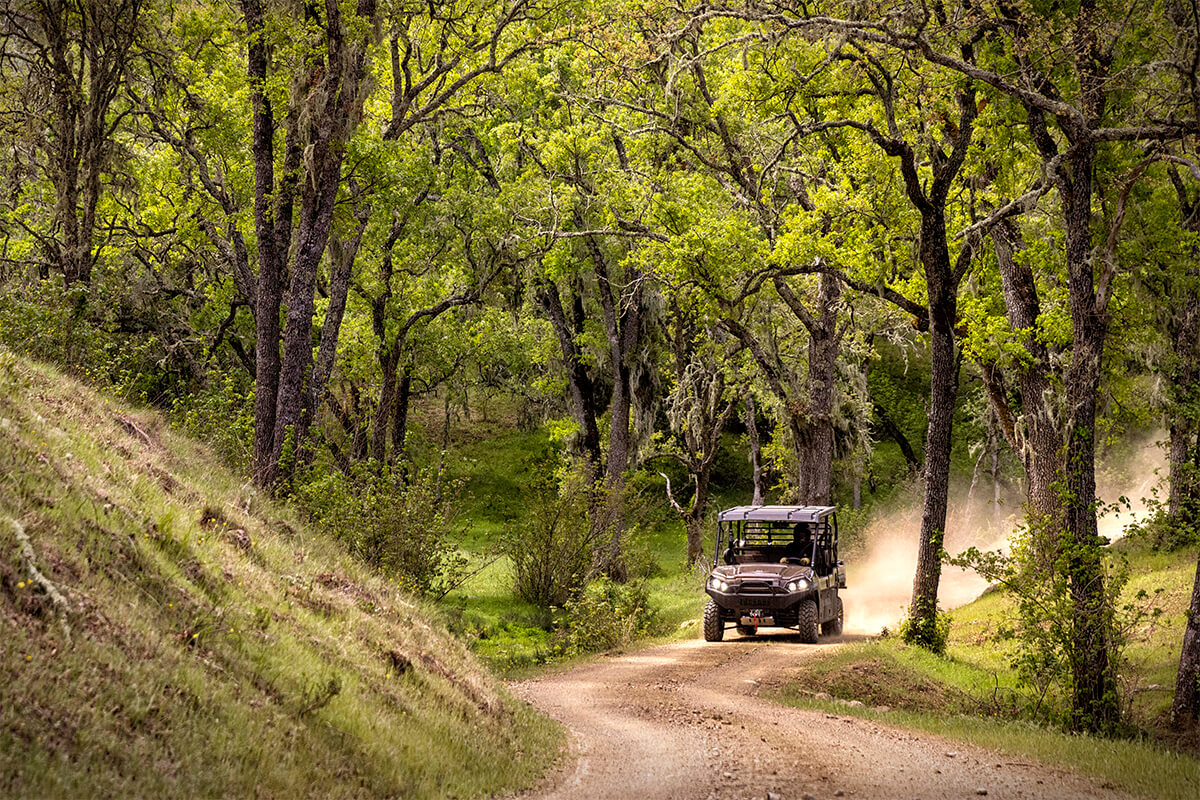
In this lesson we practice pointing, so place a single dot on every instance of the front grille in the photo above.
(755, 587)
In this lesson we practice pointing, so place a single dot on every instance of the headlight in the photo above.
(724, 586)
(798, 586)
(718, 584)
(792, 586)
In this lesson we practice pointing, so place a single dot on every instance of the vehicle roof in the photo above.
(776, 513)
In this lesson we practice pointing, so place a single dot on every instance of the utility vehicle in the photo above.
(780, 569)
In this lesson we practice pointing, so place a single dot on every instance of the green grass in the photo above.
(971, 693)
(1139, 767)
(217, 647)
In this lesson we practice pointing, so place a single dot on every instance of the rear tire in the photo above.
(747, 630)
(834, 626)
(808, 622)
(714, 627)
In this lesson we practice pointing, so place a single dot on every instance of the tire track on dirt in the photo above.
(684, 721)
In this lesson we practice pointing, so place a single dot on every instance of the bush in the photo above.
(553, 552)
(931, 634)
(575, 530)
(403, 528)
(1037, 573)
(222, 416)
(607, 615)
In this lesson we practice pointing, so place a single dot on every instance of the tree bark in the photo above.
(1094, 705)
(269, 287)
(1039, 444)
(755, 450)
(816, 480)
(579, 382)
(1183, 327)
(335, 105)
(943, 397)
(342, 260)
(1185, 707)
(77, 53)
(622, 326)
(942, 278)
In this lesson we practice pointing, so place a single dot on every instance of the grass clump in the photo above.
(213, 644)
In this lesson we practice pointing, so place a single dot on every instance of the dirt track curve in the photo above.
(684, 721)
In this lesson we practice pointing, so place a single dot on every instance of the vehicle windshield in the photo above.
(756, 542)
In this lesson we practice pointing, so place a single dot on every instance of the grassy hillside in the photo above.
(204, 643)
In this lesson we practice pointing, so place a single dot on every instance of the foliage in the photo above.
(221, 414)
(554, 551)
(607, 615)
(405, 526)
(1045, 626)
(931, 633)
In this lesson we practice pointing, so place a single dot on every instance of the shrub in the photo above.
(1037, 573)
(553, 551)
(221, 415)
(403, 528)
(607, 615)
(931, 634)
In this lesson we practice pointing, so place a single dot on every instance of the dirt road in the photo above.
(685, 721)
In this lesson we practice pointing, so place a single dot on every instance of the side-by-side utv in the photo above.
(776, 566)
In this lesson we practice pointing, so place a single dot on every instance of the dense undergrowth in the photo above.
(207, 642)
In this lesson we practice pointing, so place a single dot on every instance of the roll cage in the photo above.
(757, 534)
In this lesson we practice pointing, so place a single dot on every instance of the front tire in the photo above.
(807, 623)
(834, 626)
(714, 627)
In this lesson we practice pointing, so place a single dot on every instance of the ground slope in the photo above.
(166, 631)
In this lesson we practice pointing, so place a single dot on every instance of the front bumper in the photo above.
(775, 600)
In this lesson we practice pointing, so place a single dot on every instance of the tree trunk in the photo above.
(400, 420)
(388, 358)
(694, 521)
(823, 352)
(271, 265)
(1185, 708)
(755, 450)
(579, 382)
(1040, 444)
(943, 396)
(1094, 694)
(622, 326)
(341, 265)
(325, 105)
(76, 54)
(1184, 328)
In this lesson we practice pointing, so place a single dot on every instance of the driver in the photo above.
(798, 549)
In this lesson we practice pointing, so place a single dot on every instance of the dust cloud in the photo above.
(879, 573)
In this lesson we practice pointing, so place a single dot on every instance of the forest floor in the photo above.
(698, 720)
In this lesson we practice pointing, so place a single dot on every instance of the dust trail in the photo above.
(880, 576)
(880, 573)
(1134, 476)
